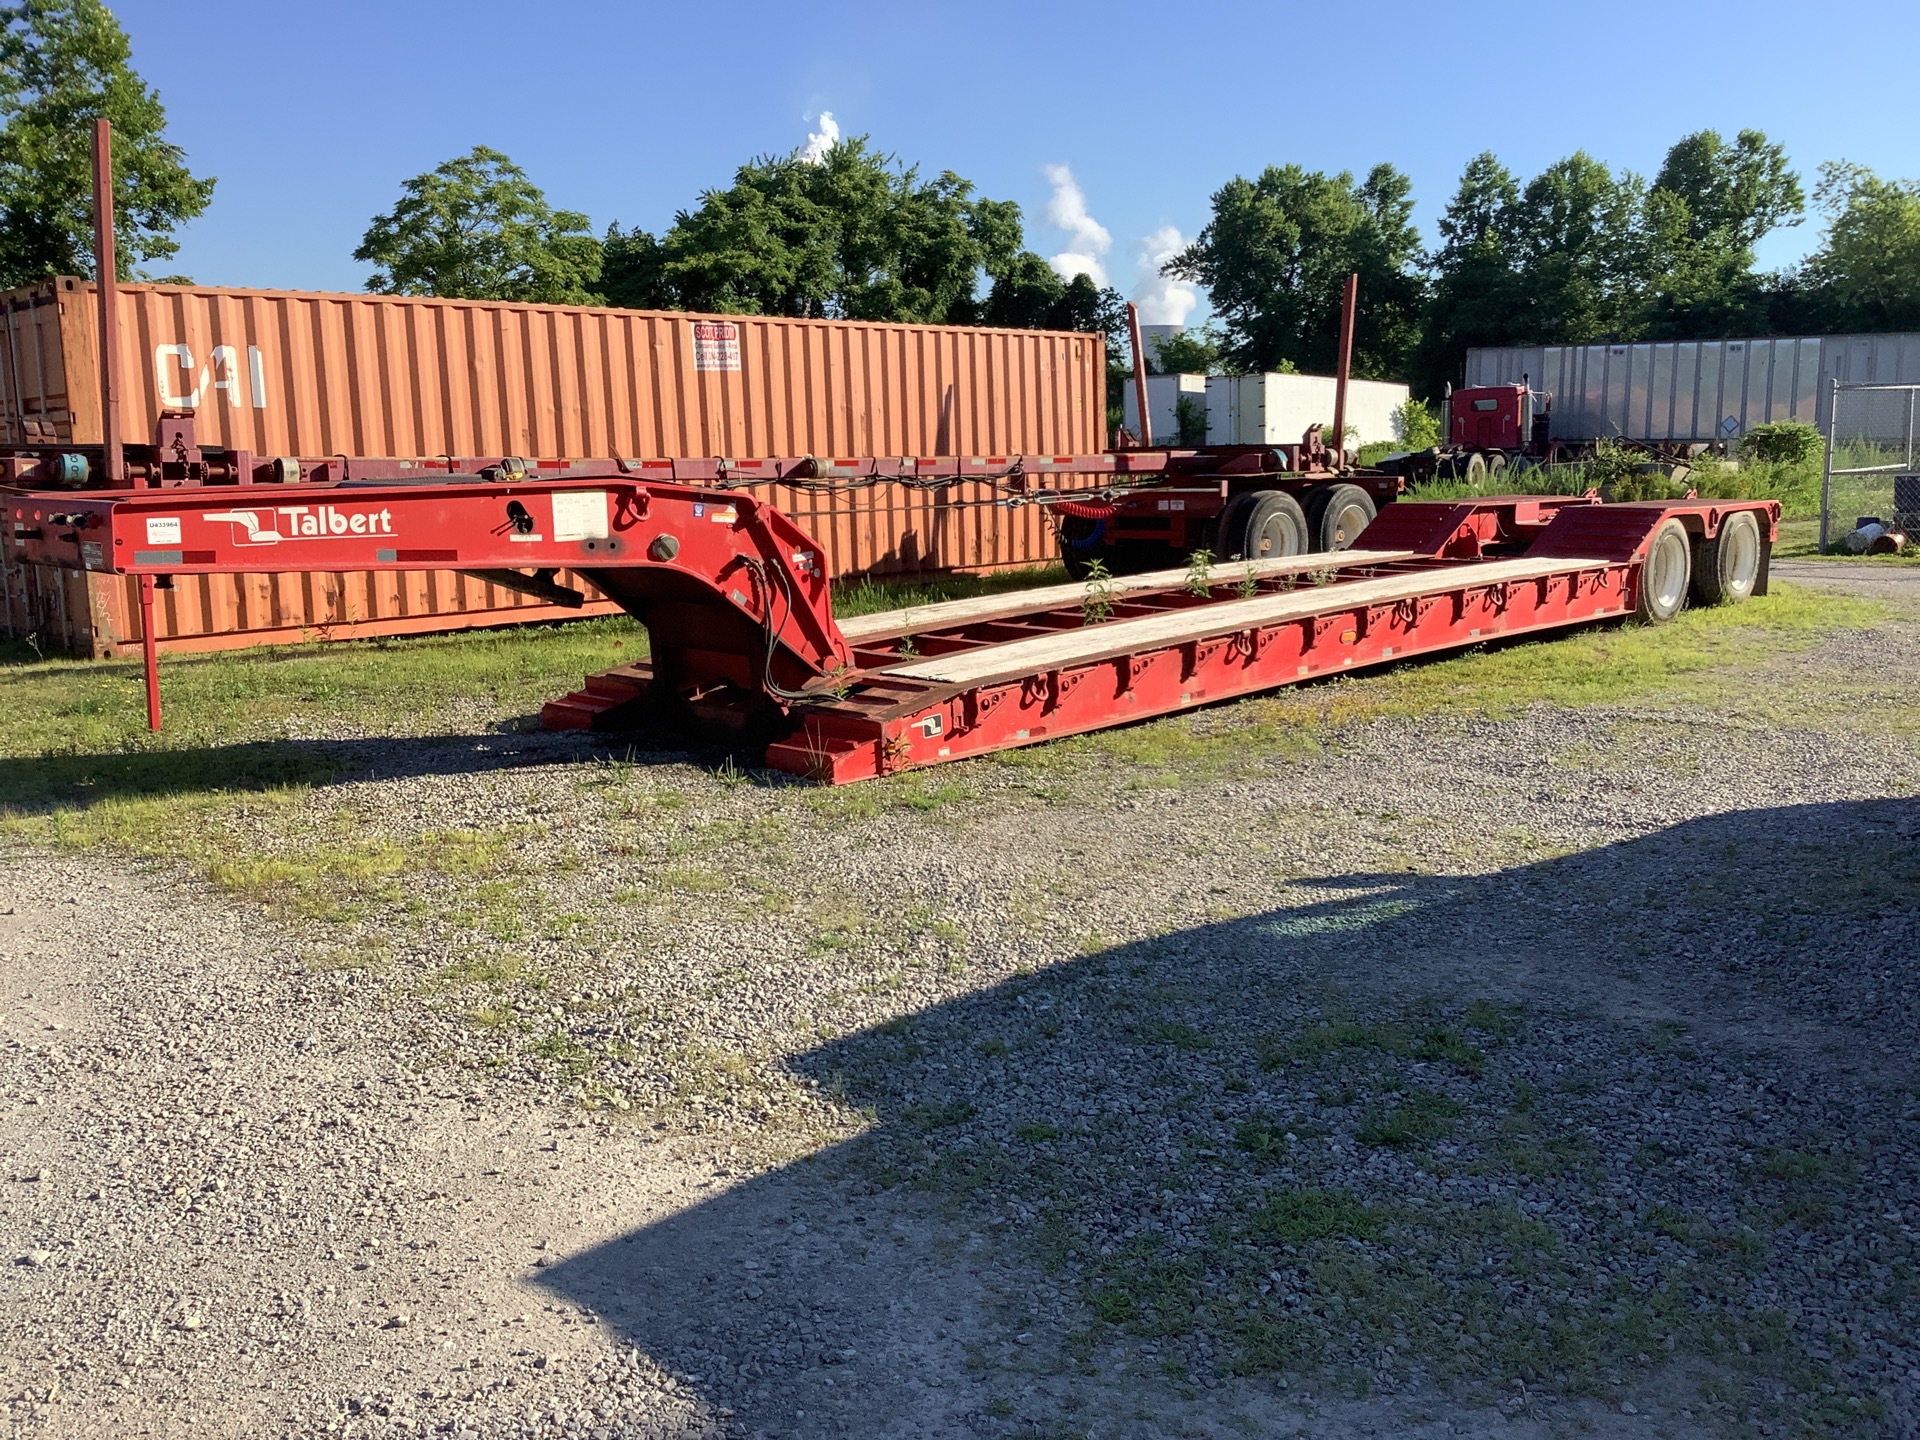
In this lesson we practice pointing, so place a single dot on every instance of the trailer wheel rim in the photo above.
(1665, 574)
(1348, 521)
(1739, 556)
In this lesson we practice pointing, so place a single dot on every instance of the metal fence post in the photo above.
(1826, 476)
(1910, 395)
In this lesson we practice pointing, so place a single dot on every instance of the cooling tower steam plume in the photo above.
(1087, 239)
(1162, 300)
(822, 140)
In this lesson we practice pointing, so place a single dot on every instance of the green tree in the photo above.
(1191, 352)
(476, 228)
(1734, 194)
(1475, 298)
(1580, 262)
(1709, 205)
(853, 234)
(1866, 273)
(63, 65)
(633, 271)
(1277, 250)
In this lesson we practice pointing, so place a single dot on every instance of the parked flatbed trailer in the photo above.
(744, 642)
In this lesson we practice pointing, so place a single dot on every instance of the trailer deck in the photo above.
(744, 643)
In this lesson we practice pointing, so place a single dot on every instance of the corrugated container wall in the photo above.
(1695, 390)
(288, 373)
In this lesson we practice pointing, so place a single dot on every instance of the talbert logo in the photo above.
(304, 522)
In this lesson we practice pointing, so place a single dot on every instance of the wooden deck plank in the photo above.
(917, 619)
(1046, 652)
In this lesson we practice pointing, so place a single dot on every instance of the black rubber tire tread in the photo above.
(1659, 594)
(1324, 512)
(1717, 562)
(1274, 509)
(1313, 500)
(1230, 529)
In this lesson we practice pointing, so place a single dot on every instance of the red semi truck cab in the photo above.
(1491, 417)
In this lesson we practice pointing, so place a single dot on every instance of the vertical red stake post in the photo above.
(150, 652)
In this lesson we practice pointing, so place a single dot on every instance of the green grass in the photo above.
(1796, 487)
(73, 732)
(1420, 1118)
(1295, 1216)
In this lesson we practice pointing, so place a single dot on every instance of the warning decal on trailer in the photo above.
(716, 345)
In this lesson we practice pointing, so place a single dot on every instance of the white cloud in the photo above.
(1162, 301)
(1087, 239)
(822, 140)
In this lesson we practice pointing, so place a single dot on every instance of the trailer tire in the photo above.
(1474, 472)
(1230, 528)
(1272, 525)
(1726, 569)
(1081, 543)
(1336, 514)
(1665, 574)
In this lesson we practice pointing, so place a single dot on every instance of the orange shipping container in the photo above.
(290, 373)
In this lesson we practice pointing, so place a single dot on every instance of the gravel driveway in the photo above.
(1543, 1075)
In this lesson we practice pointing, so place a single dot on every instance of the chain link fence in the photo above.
(1870, 474)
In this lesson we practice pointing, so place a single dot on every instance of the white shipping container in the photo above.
(1164, 393)
(1278, 409)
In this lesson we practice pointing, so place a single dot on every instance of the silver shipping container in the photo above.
(1694, 390)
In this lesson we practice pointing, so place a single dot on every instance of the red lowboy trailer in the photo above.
(744, 641)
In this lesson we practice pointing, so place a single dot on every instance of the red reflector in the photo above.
(199, 557)
(425, 557)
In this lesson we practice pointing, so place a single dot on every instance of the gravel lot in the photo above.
(1542, 1075)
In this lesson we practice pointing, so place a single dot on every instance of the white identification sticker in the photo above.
(163, 529)
(716, 345)
(580, 515)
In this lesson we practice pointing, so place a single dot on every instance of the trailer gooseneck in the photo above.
(743, 639)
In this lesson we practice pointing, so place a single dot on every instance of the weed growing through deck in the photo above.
(1200, 573)
(1096, 606)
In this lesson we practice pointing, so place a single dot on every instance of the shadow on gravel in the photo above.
(77, 781)
(1526, 1137)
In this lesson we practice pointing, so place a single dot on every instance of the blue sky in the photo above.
(312, 114)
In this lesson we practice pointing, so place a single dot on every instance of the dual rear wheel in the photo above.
(1264, 524)
(1721, 571)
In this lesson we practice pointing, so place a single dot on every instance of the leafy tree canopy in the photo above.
(1581, 254)
(63, 65)
(476, 228)
(1277, 250)
(1866, 273)
(851, 234)
(1734, 194)
(1191, 352)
